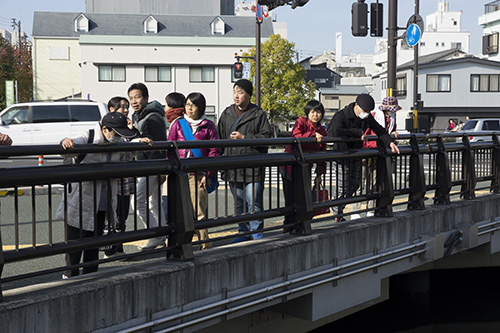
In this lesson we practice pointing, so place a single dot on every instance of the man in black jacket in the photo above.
(352, 123)
(244, 120)
(149, 119)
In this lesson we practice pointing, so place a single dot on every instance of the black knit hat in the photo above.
(245, 85)
(365, 102)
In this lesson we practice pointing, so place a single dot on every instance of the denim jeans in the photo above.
(248, 192)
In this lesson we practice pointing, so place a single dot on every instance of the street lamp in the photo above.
(271, 4)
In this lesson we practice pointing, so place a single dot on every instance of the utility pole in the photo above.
(392, 44)
(18, 25)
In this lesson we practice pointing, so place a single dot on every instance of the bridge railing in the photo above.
(436, 162)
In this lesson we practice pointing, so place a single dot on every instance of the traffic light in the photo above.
(359, 13)
(376, 19)
(238, 70)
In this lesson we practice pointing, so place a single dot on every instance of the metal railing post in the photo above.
(1, 264)
(443, 174)
(495, 164)
(384, 182)
(417, 177)
(180, 210)
(302, 197)
(469, 171)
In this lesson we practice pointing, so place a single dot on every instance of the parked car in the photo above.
(49, 122)
(480, 125)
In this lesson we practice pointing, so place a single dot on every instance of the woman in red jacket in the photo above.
(305, 127)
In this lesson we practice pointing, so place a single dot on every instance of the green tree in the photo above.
(24, 73)
(284, 92)
(7, 68)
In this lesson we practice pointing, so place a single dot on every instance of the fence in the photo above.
(433, 162)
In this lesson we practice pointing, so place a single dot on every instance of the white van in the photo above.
(49, 122)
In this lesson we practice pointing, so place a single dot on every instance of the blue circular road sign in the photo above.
(413, 34)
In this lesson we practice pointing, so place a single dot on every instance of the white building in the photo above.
(490, 22)
(442, 31)
(100, 55)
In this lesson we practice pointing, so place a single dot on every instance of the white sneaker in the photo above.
(153, 243)
(370, 214)
(355, 216)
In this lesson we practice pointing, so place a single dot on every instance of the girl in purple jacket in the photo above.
(202, 129)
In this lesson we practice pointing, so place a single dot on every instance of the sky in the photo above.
(312, 28)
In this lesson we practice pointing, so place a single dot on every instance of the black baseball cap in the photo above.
(117, 122)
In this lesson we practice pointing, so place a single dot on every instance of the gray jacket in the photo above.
(254, 125)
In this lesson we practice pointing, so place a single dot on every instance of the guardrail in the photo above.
(432, 162)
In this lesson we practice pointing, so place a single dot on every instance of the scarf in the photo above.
(173, 114)
(194, 123)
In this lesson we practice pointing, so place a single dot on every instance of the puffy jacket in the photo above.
(151, 123)
(206, 131)
(254, 125)
(87, 201)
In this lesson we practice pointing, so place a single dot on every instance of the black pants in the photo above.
(73, 258)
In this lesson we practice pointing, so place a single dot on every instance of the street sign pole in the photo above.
(392, 43)
(415, 77)
(257, 54)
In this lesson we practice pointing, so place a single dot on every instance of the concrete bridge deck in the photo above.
(281, 282)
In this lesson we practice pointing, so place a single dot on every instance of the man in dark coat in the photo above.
(352, 123)
(244, 120)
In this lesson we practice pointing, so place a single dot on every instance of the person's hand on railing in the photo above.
(396, 134)
(5, 140)
(147, 141)
(394, 148)
(204, 182)
(68, 143)
(319, 137)
(236, 135)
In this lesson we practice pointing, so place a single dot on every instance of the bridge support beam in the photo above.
(443, 175)
(495, 164)
(469, 171)
(384, 182)
(417, 177)
(302, 198)
(180, 210)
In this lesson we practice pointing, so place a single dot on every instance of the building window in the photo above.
(490, 43)
(484, 82)
(401, 86)
(320, 80)
(210, 113)
(58, 53)
(157, 74)
(422, 43)
(202, 74)
(442, 44)
(438, 82)
(112, 73)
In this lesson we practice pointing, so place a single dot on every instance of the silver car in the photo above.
(481, 125)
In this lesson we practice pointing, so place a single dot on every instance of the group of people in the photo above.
(186, 115)
(148, 124)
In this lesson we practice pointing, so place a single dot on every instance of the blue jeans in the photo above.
(251, 191)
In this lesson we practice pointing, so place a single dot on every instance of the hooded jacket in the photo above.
(253, 125)
(150, 122)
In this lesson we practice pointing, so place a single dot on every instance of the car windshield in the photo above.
(470, 125)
